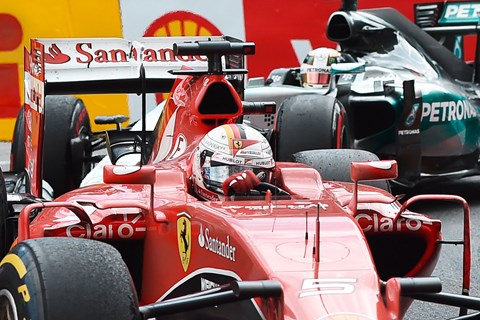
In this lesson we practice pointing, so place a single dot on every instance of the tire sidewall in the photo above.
(4, 245)
(26, 289)
(310, 122)
(17, 151)
(66, 119)
(68, 278)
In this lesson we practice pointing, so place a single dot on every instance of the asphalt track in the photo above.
(449, 267)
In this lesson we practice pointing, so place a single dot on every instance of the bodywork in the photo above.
(331, 245)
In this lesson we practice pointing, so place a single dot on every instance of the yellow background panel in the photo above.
(60, 19)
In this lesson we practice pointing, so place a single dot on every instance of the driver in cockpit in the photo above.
(232, 159)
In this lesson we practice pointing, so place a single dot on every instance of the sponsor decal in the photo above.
(442, 111)
(413, 115)
(220, 247)
(296, 206)
(206, 194)
(237, 144)
(179, 147)
(460, 13)
(184, 237)
(378, 223)
(206, 284)
(55, 55)
(227, 159)
(318, 69)
(107, 231)
(408, 132)
(89, 52)
(17, 263)
(214, 145)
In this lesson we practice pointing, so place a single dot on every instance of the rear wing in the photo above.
(455, 19)
(100, 65)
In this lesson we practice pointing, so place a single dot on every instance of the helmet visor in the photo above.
(214, 176)
(314, 77)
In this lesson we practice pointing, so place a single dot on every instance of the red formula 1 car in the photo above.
(143, 245)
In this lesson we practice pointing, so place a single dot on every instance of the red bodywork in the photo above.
(184, 245)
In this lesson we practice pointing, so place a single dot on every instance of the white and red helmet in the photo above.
(315, 70)
(226, 150)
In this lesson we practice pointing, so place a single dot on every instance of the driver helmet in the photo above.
(315, 70)
(226, 150)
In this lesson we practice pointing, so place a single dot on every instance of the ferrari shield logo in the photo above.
(237, 144)
(184, 236)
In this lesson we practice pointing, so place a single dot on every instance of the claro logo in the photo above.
(378, 223)
(124, 230)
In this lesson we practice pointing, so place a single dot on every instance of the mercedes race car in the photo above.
(144, 245)
(398, 93)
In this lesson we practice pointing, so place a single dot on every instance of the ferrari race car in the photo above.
(143, 245)
(400, 94)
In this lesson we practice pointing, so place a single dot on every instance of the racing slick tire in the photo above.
(310, 122)
(66, 278)
(17, 149)
(64, 165)
(4, 244)
(334, 164)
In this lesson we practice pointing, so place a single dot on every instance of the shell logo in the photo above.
(180, 23)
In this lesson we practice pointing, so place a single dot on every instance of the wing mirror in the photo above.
(368, 171)
(131, 175)
(348, 67)
(124, 147)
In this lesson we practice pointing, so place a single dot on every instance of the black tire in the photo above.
(310, 122)
(4, 243)
(334, 164)
(66, 278)
(64, 167)
(17, 151)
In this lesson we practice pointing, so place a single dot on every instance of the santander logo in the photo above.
(55, 55)
(87, 52)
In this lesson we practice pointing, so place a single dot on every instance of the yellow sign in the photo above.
(184, 237)
(21, 21)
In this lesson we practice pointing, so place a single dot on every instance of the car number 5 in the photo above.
(311, 287)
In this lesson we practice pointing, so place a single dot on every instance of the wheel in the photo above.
(66, 278)
(310, 122)
(4, 243)
(65, 143)
(334, 164)
(17, 151)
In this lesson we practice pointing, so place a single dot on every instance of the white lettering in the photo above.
(448, 111)
(451, 11)
(377, 223)
(107, 231)
(219, 247)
